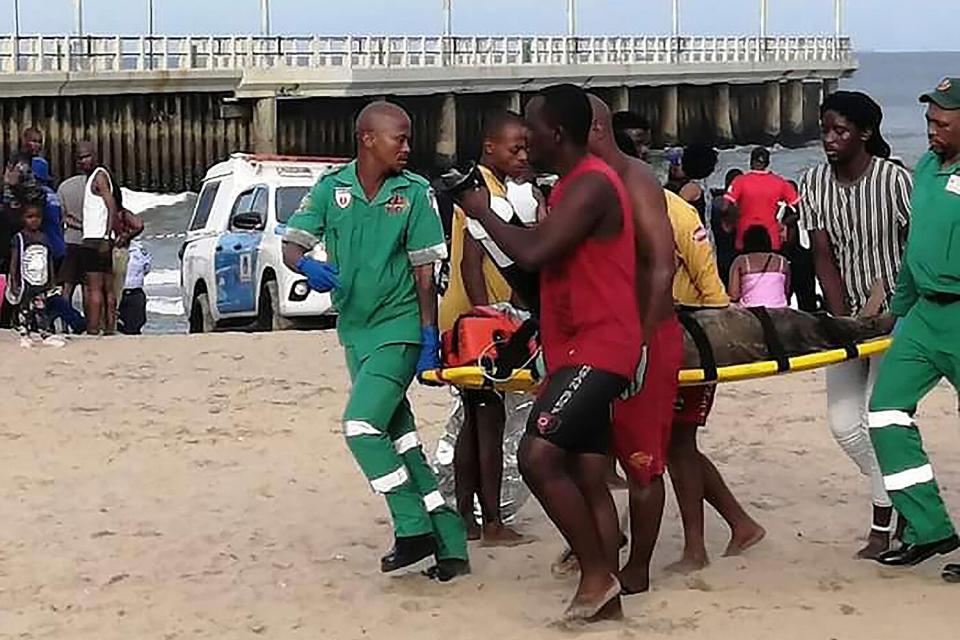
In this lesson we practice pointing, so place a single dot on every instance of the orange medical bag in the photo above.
(480, 334)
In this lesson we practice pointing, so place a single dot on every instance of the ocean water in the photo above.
(895, 80)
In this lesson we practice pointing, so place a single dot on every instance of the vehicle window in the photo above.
(244, 203)
(261, 202)
(204, 205)
(288, 201)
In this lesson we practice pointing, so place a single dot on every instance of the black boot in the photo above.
(447, 570)
(913, 554)
(408, 551)
(951, 573)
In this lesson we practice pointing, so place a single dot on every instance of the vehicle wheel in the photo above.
(201, 319)
(268, 312)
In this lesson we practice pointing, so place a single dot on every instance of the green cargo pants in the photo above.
(925, 350)
(381, 433)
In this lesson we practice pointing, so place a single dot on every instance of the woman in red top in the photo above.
(590, 331)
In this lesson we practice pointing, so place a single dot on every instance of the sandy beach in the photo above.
(198, 487)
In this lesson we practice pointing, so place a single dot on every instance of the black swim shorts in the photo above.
(574, 410)
(94, 260)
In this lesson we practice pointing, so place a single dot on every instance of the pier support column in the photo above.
(793, 116)
(514, 102)
(669, 115)
(771, 112)
(724, 133)
(447, 132)
(620, 99)
(830, 86)
(265, 125)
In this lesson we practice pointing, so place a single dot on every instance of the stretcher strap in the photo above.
(772, 338)
(516, 352)
(829, 326)
(708, 362)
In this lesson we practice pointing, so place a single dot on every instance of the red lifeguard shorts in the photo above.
(642, 422)
(694, 405)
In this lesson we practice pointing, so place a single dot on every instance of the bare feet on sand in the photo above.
(565, 565)
(596, 602)
(877, 543)
(743, 538)
(500, 535)
(689, 563)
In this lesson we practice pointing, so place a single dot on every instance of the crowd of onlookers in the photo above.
(61, 241)
(763, 256)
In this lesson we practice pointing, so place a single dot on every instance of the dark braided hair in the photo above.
(861, 110)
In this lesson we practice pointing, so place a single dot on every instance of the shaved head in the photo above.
(383, 136)
(377, 115)
(602, 116)
(603, 141)
(86, 157)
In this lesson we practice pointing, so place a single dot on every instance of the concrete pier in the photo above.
(163, 110)
(265, 125)
(669, 116)
(723, 117)
(514, 102)
(771, 112)
(447, 132)
(792, 109)
(620, 99)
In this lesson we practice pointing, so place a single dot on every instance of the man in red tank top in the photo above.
(590, 331)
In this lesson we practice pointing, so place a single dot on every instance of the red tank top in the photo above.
(588, 298)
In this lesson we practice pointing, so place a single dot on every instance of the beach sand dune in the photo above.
(198, 487)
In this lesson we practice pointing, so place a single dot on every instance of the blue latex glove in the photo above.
(429, 351)
(322, 277)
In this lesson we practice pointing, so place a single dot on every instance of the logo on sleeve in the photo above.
(700, 234)
(343, 197)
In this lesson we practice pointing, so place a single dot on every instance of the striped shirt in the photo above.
(864, 221)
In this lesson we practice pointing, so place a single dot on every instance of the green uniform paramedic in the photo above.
(383, 237)
(926, 346)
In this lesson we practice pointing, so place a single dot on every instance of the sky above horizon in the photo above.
(876, 25)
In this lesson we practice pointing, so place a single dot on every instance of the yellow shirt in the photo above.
(455, 301)
(697, 282)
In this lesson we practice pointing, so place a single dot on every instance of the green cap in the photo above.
(946, 95)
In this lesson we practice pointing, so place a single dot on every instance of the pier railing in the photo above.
(105, 54)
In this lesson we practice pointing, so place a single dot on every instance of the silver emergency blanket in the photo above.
(513, 493)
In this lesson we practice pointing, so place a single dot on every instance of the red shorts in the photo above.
(642, 422)
(694, 404)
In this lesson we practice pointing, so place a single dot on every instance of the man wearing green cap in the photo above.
(927, 343)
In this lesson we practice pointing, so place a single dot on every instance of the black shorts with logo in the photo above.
(574, 410)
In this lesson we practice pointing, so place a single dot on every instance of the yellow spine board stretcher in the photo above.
(522, 380)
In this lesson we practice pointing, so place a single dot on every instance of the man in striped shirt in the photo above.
(857, 208)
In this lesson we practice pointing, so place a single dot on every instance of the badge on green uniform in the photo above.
(953, 185)
(343, 197)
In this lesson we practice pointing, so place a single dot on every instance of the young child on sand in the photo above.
(31, 281)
